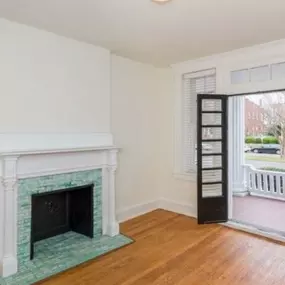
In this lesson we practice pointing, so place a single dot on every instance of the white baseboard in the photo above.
(136, 210)
(140, 209)
(184, 209)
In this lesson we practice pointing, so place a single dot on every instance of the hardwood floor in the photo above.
(172, 249)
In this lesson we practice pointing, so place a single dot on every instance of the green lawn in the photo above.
(271, 158)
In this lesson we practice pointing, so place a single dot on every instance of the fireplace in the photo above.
(61, 211)
(45, 199)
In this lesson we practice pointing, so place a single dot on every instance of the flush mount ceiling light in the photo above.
(160, 1)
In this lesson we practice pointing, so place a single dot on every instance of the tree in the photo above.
(273, 130)
(274, 116)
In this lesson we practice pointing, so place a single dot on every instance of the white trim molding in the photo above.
(200, 73)
(137, 210)
(180, 208)
(162, 203)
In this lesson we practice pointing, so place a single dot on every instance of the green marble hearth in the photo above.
(61, 252)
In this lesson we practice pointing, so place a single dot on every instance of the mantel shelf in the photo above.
(55, 150)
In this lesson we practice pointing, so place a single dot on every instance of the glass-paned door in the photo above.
(212, 169)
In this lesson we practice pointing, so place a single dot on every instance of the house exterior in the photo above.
(254, 117)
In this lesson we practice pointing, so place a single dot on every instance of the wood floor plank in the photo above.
(172, 249)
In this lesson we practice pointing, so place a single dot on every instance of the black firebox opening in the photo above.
(61, 211)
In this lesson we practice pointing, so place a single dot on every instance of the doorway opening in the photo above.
(262, 202)
(241, 172)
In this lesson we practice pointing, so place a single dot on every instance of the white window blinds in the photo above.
(193, 83)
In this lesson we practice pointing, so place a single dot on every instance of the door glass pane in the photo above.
(211, 105)
(214, 190)
(212, 147)
(211, 161)
(211, 133)
(211, 176)
(211, 119)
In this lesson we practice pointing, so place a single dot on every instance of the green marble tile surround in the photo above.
(45, 184)
(58, 253)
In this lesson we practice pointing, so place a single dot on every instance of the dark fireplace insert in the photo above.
(61, 211)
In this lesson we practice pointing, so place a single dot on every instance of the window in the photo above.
(249, 115)
(278, 70)
(239, 76)
(193, 83)
(259, 74)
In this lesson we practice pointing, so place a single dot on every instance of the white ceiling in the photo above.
(160, 34)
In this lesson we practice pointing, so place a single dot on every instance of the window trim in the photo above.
(178, 171)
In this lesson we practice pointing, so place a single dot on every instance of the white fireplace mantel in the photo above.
(24, 163)
(54, 150)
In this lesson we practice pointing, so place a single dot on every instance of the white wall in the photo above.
(143, 126)
(135, 126)
(51, 84)
(53, 88)
(178, 195)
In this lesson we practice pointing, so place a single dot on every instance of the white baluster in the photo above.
(265, 177)
(255, 181)
(282, 185)
(250, 183)
(278, 188)
(258, 182)
(271, 183)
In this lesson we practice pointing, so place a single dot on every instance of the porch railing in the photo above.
(265, 183)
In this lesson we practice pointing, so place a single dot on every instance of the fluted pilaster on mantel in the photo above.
(8, 212)
(112, 226)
